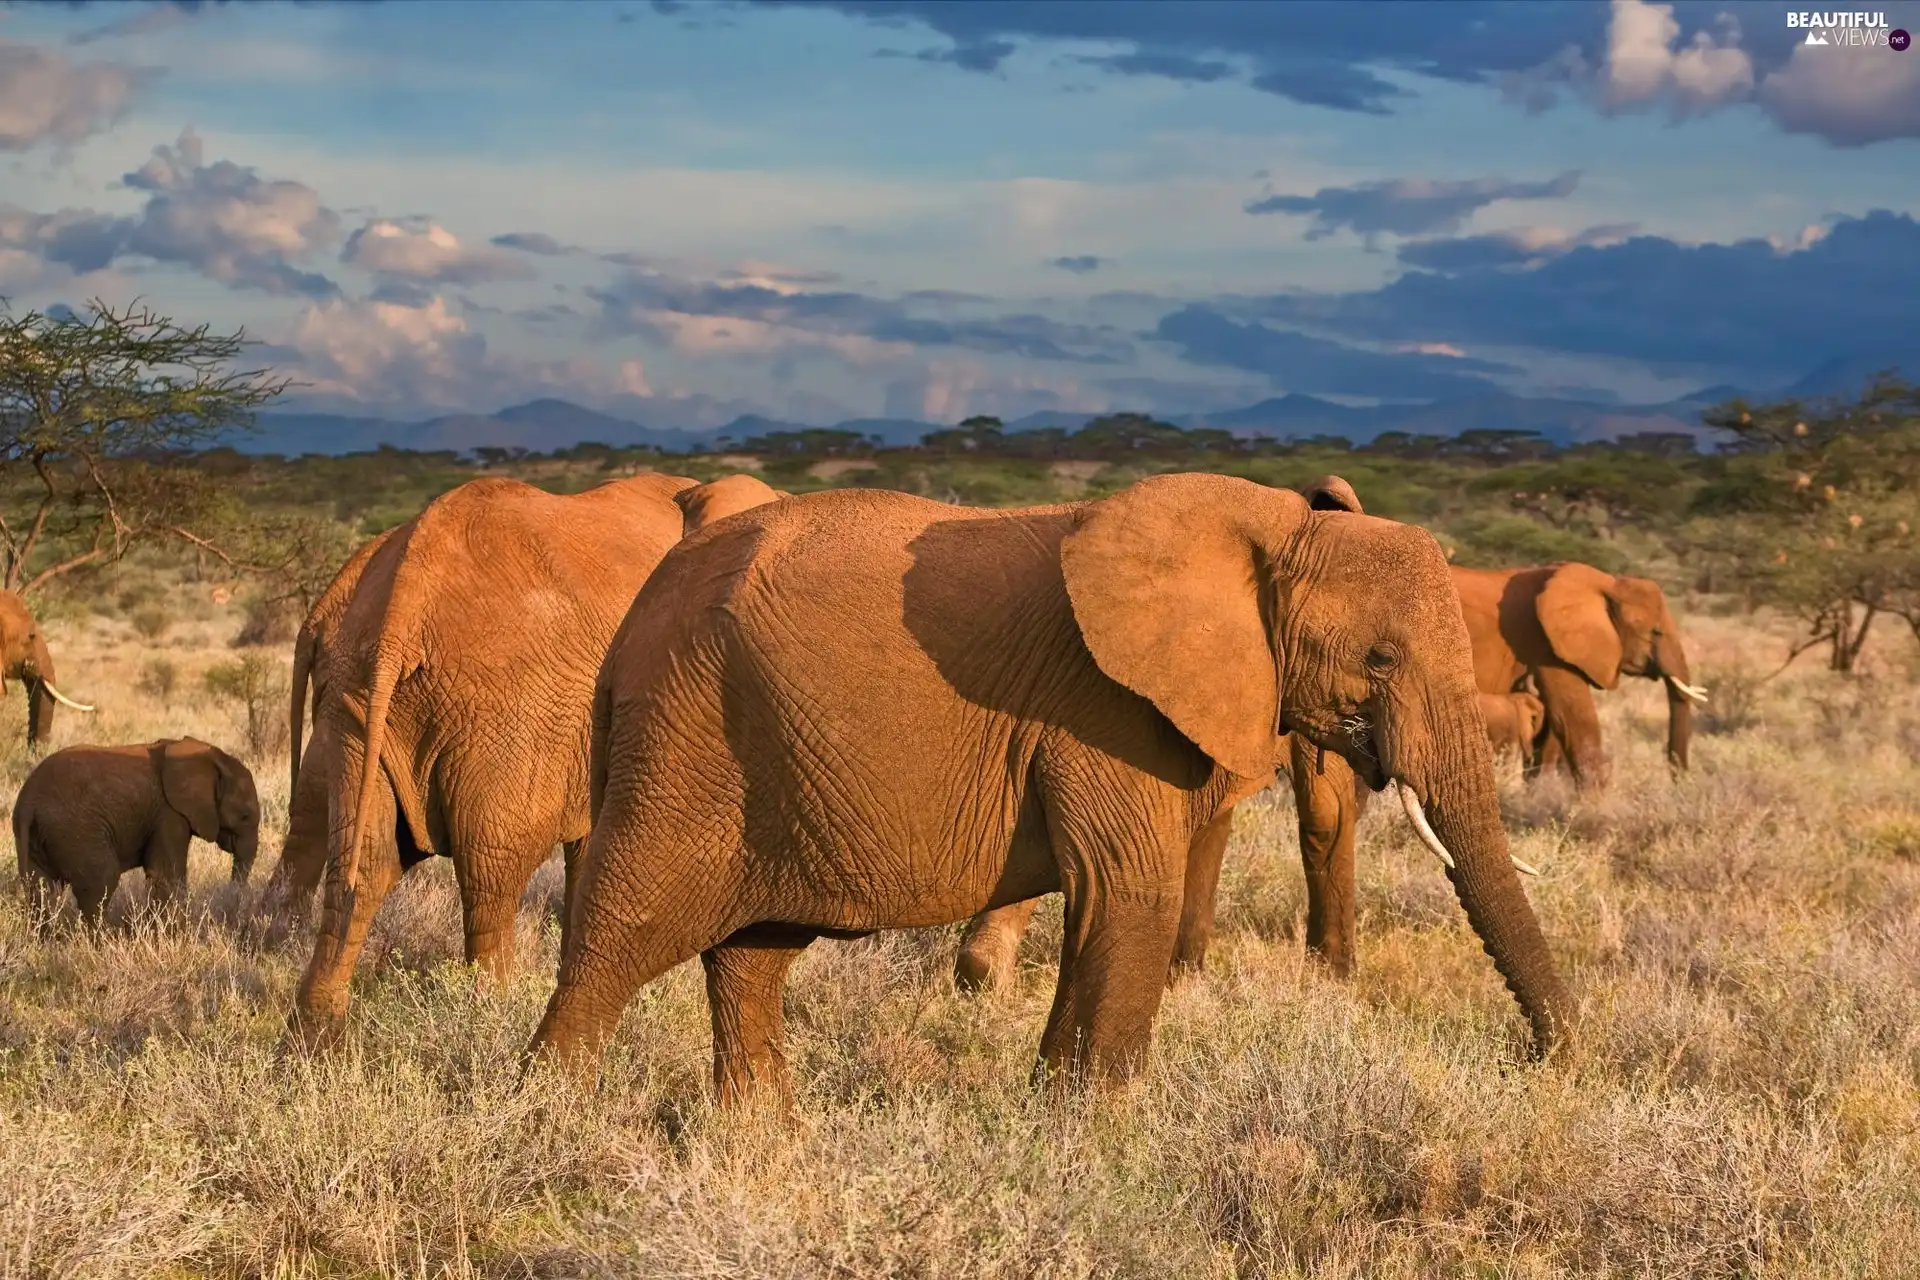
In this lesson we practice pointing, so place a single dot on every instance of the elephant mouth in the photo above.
(1362, 751)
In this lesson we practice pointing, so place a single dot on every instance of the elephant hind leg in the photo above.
(649, 895)
(320, 1005)
(745, 978)
(991, 946)
(491, 882)
(1204, 856)
(43, 900)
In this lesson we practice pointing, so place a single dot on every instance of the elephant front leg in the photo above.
(1204, 856)
(745, 977)
(165, 859)
(991, 946)
(1114, 960)
(1329, 800)
(1572, 735)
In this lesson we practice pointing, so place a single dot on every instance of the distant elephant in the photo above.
(1513, 721)
(991, 945)
(704, 504)
(1572, 628)
(24, 657)
(452, 695)
(859, 710)
(86, 814)
(1597, 622)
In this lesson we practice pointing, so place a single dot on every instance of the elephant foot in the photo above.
(313, 1028)
(984, 966)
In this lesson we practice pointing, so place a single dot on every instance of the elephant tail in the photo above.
(296, 714)
(386, 674)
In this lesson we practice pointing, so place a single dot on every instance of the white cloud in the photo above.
(385, 355)
(426, 251)
(44, 97)
(226, 221)
(1643, 66)
(1848, 95)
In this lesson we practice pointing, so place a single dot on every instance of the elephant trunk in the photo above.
(1682, 694)
(244, 850)
(1450, 795)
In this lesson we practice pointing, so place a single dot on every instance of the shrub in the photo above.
(1734, 703)
(151, 621)
(268, 622)
(158, 679)
(258, 686)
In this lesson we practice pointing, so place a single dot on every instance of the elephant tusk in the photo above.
(63, 698)
(1692, 692)
(1526, 867)
(1418, 817)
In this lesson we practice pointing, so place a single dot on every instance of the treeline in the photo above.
(106, 419)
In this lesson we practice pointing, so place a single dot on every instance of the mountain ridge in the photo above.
(549, 422)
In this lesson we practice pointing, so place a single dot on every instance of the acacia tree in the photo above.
(95, 411)
(1817, 512)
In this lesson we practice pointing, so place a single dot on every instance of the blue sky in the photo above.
(680, 212)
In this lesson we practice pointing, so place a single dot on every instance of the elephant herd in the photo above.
(751, 720)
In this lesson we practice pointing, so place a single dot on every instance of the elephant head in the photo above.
(1605, 626)
(703, 504)
(24, 657)
(1241, 612)
(214, 792)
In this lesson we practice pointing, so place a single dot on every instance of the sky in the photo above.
(678, 212)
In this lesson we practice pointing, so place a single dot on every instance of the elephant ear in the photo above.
(1166, 579)
(1331, 493)
(703, 504)
(189, 770)
(1574, 613)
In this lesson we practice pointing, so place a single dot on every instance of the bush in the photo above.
(259, 687)
(151, 621)
(1734, 704)
(158, 679)
(268, 622)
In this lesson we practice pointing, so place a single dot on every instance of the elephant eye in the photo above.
(1382, 658)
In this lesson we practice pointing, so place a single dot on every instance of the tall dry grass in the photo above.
(1745, 1102)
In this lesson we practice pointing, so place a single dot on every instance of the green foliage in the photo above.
(1816, 512)
(151, 621)
(92, 408)
(257, 685)
(1498, 540)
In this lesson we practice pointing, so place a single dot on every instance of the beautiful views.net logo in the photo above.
(1857, 30)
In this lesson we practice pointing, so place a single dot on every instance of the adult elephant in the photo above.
(1574, 628)
(24, 657)
(1071, 694)
(451, 704)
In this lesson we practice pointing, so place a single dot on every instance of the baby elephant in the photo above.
(86, 814)
(1513, 721)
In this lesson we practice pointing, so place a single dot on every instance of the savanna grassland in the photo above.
(1745, 1100)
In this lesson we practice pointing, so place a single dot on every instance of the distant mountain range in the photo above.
(545, 425)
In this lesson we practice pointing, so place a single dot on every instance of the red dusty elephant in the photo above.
(1072, 694)
(452, 668)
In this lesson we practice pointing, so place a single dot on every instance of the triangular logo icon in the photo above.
(1814, 37)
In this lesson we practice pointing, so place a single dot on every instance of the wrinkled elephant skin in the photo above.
(1071, 695)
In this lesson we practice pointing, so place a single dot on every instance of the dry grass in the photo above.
(1746, 1101)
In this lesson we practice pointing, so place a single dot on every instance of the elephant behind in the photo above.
(1513, 721)
(1570, 629)
(87, 814)
(24, 656)
(1071, 694)
(451, 704)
